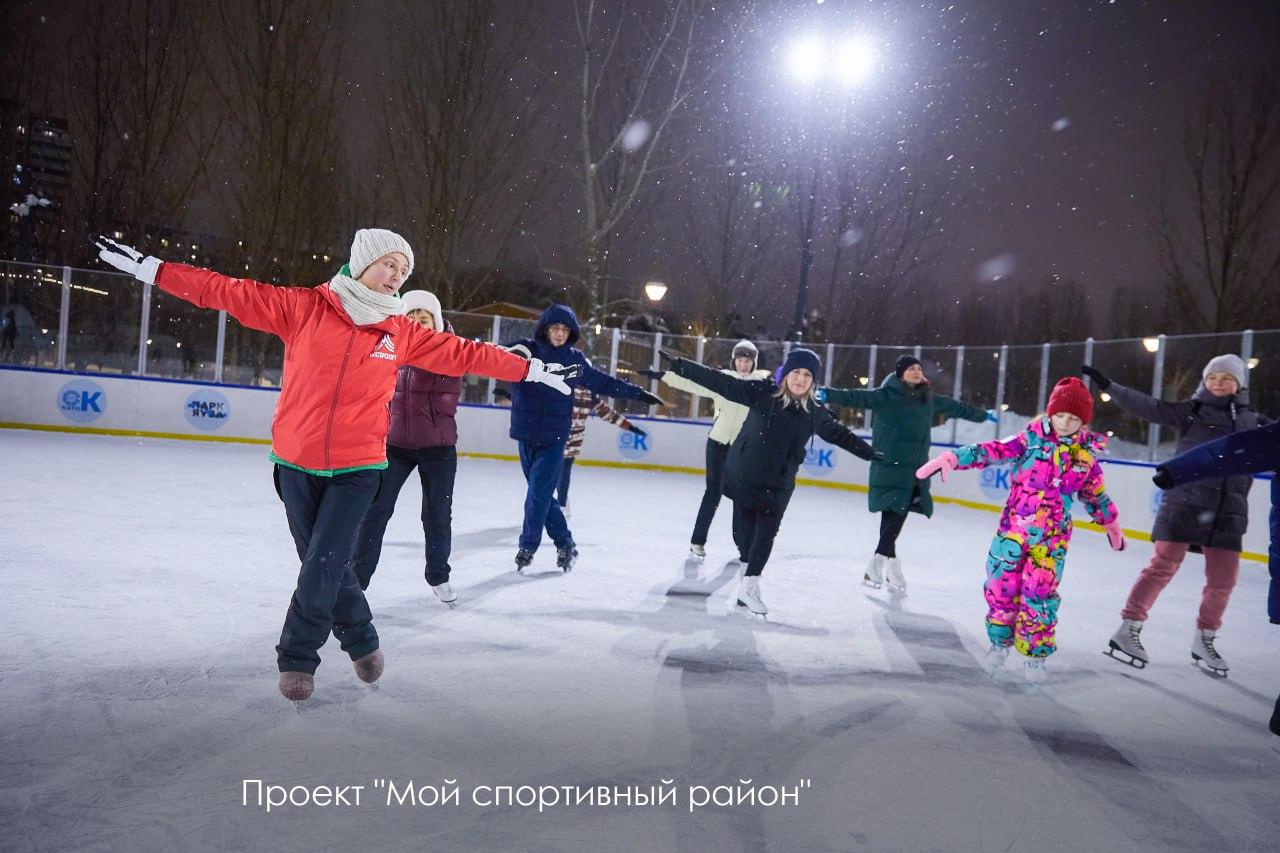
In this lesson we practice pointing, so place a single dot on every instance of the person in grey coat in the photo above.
(1208, 515)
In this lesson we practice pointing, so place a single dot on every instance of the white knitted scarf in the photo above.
(364, 306)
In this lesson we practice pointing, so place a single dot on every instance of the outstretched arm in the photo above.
(991, 452)
(1163, 412)
(952, 408)
(854, 398)
(744, 391)
(441, 352)
(1250, 452)
(841, 436)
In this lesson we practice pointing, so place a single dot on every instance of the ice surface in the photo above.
(147, 579)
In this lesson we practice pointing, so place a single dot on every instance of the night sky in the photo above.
(1057, 116)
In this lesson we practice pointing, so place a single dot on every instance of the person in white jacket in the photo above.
(728, 420)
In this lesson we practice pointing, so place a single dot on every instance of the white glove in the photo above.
(551, 374)
(128, 259)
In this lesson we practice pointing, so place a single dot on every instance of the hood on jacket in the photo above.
(558, 313)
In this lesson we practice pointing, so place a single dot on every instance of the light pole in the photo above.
(824, 66)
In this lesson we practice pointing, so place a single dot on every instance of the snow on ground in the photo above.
(147, 580)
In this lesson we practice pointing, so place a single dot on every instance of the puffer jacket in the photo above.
(1048, 474)
(541, 415)
(729, 417)
(424, 408)
(1240, 454)
(1207, 512)
(760, 470)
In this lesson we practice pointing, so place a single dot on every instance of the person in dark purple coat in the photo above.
(423, 435)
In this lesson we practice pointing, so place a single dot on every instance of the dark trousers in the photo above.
(323, 514)
(890, 527)
(716, 454)
(562, 488)
(754, 531)
(541, 465)
(437, 467)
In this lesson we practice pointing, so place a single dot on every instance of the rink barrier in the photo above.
(141, 407)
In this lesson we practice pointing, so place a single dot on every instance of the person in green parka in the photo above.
(904, 407)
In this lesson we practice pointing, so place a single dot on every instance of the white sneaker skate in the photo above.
(993, 661)
(749, 595)
(697, 553)
(1125, 643)
(1035, 671)
(895, 580)
(1202, 651)
(874, 576)
(444, 592)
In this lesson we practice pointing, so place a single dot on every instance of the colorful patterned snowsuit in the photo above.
(1028, 553)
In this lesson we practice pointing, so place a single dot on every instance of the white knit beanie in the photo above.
(746, 349)
(423, 300)
(1230, 363)
(372, 243)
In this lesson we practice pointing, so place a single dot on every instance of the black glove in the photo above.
(652, 399)
(502, 393)
(636, 430)
(652, 374)
(867, 452)
(1096, 375)
(1163, 478)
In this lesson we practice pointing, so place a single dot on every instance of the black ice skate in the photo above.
(566, 557)
(523, 558)
(1126, 644)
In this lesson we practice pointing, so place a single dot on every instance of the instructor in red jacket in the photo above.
(344, 341)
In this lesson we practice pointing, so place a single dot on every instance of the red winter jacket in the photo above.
(424, 407)
(338, 377)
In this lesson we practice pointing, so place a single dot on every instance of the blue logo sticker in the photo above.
(994, 482)
(207, 410)
(819, 458)
(634, 446)
(82, 401)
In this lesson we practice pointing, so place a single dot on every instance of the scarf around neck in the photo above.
(364, 306)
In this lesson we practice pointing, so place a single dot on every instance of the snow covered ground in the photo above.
(147, 579)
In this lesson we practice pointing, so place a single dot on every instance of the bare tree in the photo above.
(1217, 222)
(26, 94)
(637, 69)
(460, 129)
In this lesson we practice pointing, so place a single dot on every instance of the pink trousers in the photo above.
(1221, 567)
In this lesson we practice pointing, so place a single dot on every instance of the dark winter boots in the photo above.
(369, 667)
(297, 686)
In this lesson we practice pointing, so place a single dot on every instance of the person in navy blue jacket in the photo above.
(1251, 452)
(540, 424)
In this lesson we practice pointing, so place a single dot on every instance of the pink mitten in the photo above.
(1115, 535)
(944, 463)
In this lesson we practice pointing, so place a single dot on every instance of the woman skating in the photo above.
(344, 340)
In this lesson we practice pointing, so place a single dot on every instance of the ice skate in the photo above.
(566, 557)
(697, 553)
(874, 576)
(749, 596)
(1125, 643)
(444, 592)
(1035, 671)
(1202, 651)
(524, 557)
(994, 660)
(297, 686)
(369, 668)
(894, 579)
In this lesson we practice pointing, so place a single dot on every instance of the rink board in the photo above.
(101, 404)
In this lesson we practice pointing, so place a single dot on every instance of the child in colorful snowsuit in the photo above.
(586, 404)
(1054, 460)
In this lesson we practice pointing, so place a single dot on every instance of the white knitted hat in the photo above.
(423, 300)
(1230, 363)
(372, 243)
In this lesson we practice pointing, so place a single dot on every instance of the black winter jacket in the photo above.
(760, 471)
(1207, 512)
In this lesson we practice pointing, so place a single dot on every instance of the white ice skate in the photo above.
(993, 661)
(874, 576)
(444, 592)
(1035, 671)
(895, 580)
(1202, 651)
(749, 596)
(697, 553)
(1125, 643)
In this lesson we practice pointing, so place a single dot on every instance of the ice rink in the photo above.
(147, 581)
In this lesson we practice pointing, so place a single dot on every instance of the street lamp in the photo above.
(842, 62)
(655, 290)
